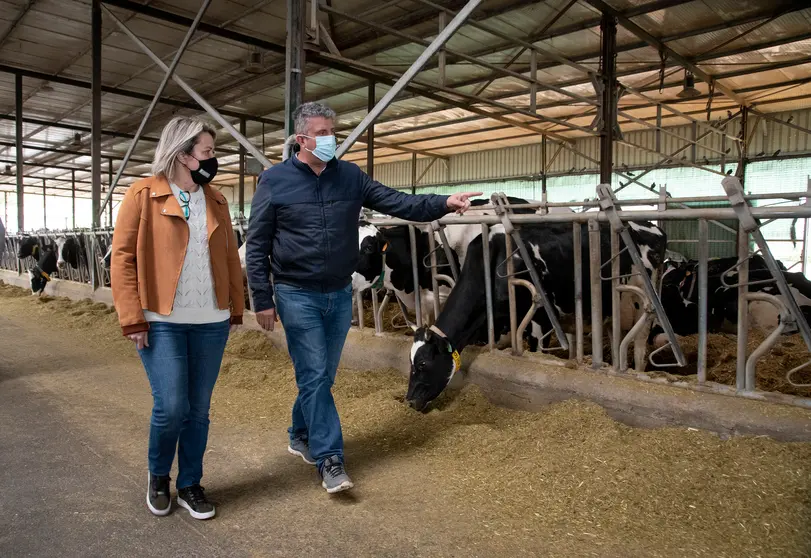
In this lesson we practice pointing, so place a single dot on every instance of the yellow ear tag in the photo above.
(457, 360)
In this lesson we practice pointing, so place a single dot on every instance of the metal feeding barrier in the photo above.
(501, 212)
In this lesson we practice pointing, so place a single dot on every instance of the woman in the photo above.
(177, 287)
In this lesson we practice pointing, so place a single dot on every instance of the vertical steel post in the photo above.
(242, 130)
(110, 185)
(743, 307)
(608, 53)
(442, 57)
(533, 87)
(514, 340)
(415, 274)
(703, 256)
(693, 146)
(488, 287)
(543, 164)
(724, 157)
(595, 262)
(370, 133)
(73, 196)
(95, 112)
(578, 289)
(743, 146)
(413, 173)
(616, 318)
(44, 207)
(294, 61)
(18, 132)
(658, 128)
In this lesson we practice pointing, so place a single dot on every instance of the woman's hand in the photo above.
(140, 339)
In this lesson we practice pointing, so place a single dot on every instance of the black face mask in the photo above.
(206, 172)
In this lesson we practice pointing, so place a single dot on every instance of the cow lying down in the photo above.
(435, 351)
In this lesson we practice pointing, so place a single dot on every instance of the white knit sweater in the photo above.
(195, 299)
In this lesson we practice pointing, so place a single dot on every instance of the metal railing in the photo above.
(637, 336)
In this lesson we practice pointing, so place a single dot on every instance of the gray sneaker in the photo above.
(301, 448)
(333, 476)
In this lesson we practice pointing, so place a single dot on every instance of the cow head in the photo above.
(61, 251)
(39, 280)
(371, 249)
(434, 361)
(29, 246)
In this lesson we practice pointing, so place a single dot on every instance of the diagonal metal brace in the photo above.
(607, 204)
(734, 191)
(500, 204)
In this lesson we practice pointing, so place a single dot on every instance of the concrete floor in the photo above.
(73, 472)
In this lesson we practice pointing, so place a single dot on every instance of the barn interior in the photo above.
(543, 100)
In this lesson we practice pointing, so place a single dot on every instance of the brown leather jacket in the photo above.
(149, 245)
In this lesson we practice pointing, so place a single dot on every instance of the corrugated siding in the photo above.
(526, 160)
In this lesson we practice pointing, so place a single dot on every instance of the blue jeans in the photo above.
(182, 363)
(316, 325)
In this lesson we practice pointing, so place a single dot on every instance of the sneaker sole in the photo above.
(346, 485)
(297, 453)
(196, 515)
(154, 510)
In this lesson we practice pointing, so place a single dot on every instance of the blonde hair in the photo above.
(180, 135)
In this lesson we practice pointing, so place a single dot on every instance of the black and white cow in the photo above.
(29, 247)
(46, 266)
(70, 251)
(680, 296)
(463, 321)
(107, 257)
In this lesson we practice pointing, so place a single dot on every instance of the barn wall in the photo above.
(525, 160)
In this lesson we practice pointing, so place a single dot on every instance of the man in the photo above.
(304, 227)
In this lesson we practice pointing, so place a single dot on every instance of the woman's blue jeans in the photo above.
(182, 363)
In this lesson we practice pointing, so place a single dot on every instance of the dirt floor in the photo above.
(467, 479)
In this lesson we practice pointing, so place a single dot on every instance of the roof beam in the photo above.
(662, 47)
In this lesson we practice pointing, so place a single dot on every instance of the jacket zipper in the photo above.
(323, 221)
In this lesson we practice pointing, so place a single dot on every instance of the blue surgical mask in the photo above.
(324, 148)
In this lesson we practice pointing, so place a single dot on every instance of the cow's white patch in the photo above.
(536, 251)
(366, 231)
(644, 251)
(414, 348)
(60, 244)
(496, 229)
(642, 228)
(537, 331)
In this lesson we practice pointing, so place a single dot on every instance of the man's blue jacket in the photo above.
(304, 227)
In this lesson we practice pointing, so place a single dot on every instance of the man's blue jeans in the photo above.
(182, 363)
(316, 325)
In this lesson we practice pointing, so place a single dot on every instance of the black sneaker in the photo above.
(193, 498)
(333, 476)
(158, 499)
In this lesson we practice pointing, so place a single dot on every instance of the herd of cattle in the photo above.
(385, 262)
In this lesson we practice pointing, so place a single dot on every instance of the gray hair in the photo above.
(306, 111)
(180, 135)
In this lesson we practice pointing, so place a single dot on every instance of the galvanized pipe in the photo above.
(508, 250)
(434, 281)
(375, 317)
(410, 74)
(595, 263)
(488, 287)
(703, 256)
(769, 342)
(578, 290)
(743, 307)
(155, 99)
(359, 302)
(721, 213)
(415, 274)
(616, 320)
(259, 156)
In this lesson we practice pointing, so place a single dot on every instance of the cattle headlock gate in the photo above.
(647, 289)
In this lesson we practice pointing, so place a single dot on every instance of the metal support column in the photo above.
(703, 256)
(442, 57)
(658, 128)
(608, 72)
(743, 146)
(73, 196)
(533, 87)
(693, 146)
(543, 164)
(109, 206)
(18, 133)
(155, 99)
(370, 134)
(410, 74)
(595, 264)
(413, 173)
(95, 112)
(242, 130)
(743, 307)
(44, 207)
(294, 62)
